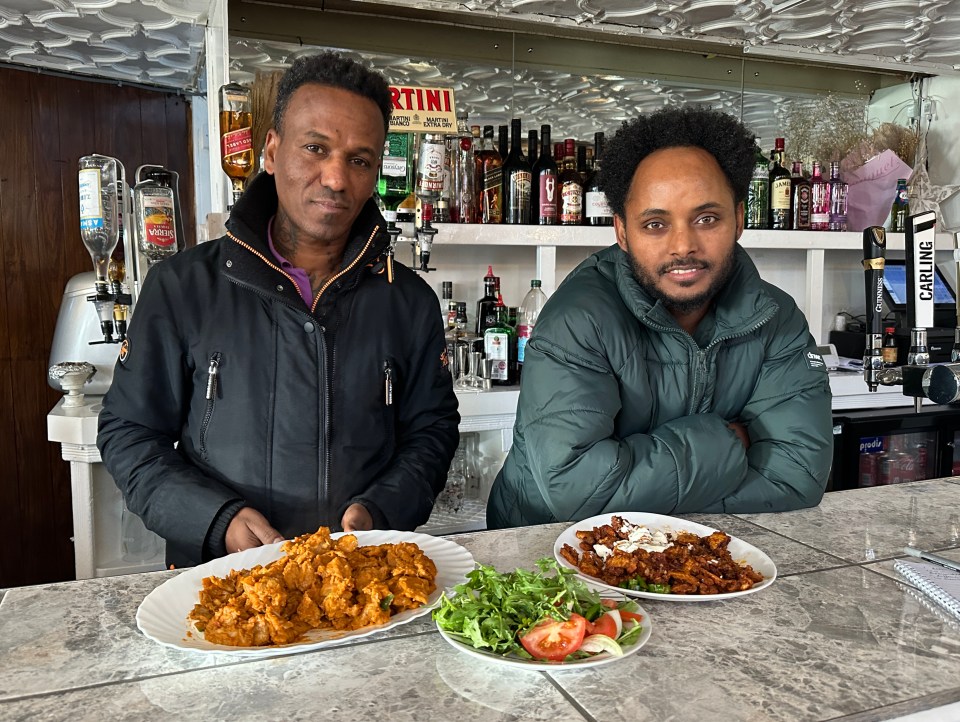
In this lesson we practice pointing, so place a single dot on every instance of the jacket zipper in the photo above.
(213, 372)
(344, 271)
(327, 420)
(387, 384)
(266, 260)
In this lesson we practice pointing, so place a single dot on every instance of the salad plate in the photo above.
(741, 551)
(537, 665)
(162, 616)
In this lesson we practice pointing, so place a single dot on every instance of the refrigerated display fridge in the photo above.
(892, 446)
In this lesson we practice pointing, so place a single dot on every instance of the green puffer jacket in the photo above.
(621, 410)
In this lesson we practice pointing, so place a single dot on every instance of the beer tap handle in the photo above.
(919, 247)
(874, 246)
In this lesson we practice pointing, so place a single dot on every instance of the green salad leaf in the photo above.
(491, 608)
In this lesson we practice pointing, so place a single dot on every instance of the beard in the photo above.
(648, 282)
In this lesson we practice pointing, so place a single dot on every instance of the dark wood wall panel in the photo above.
(47, 124)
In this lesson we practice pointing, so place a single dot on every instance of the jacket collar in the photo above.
(258, 204)
(741, 305)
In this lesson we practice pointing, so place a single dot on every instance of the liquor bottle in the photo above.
(513, 314)
(516, 180)
(430, 168)
(758, 194)
(236, 136)
(533, 147)
(503, 145)
(447, 306)
(543, 187)
(456, 337)
(491, 176)
(779, 190)
(395, 181)
(497, 341)
(889, 348)
(596, 209)
(819, 200)
(530, 309)
(97, 177)
(463, 169)
(154, 217)
(582, 164)
(900, 210)
(571, 187)
(799, 198)
(486, 313)
(838, 199)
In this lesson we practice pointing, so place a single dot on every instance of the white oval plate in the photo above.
(739, 550)
(162, 615)
(537, 665)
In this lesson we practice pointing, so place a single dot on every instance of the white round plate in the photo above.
(537, 665)
(739, 550)
(162, 615)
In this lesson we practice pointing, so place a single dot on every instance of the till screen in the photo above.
(895, 281)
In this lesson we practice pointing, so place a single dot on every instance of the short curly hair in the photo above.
(721, 135)
(336, 71)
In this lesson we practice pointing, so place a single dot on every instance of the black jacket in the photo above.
(308, 411)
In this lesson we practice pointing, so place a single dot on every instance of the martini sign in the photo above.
(422, 110)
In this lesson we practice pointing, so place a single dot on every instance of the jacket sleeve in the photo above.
(790, 423)
(582, 469)
(142, 417)
(427, 426)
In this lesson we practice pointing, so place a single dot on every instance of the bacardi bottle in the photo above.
(236, 136)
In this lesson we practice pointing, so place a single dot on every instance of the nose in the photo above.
(334, 174)
(682, 241)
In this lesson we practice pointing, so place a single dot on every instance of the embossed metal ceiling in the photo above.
(160, 42)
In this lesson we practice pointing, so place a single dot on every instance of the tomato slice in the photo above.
(605, 625)
(638, 618)
(553, 640)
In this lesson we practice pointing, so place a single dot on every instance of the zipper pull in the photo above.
(212, 376)
(390, 264)
(387, 384)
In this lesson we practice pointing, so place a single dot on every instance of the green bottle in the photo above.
(396, 170)
(901, 208)
(757, 211)
(499, 347)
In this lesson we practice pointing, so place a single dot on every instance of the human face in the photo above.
(679, 228)
(324, 160)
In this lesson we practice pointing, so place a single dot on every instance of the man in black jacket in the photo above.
(278, 379)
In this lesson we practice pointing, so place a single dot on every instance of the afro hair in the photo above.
(333, 70)
(721, 135)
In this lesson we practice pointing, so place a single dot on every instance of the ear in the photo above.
(739, 210)
(620, 227)
(270, 150)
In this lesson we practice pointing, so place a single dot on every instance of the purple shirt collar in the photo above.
(299, 275)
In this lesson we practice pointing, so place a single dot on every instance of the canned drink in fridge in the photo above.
(923, 458)
(887, 470)
(907, 467)
(869, 469)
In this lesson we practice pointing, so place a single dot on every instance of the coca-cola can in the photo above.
(907, 466)
(869, 469)
(923, 458)
(887, 470)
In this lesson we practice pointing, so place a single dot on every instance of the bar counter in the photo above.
(836, 636)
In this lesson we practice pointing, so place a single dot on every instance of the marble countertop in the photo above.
(835, 637)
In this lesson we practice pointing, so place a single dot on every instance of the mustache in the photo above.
(685, 264)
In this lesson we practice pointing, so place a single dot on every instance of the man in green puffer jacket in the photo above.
(664, 375)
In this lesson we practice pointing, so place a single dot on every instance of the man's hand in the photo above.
(356, 518)
(249, 529)
(741, 431)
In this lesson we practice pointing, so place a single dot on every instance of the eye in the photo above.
(707, 220)
(361, 162)
(313, 148)
(654, 225)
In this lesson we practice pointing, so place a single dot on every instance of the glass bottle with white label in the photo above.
(99, 222)
(154, 212)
